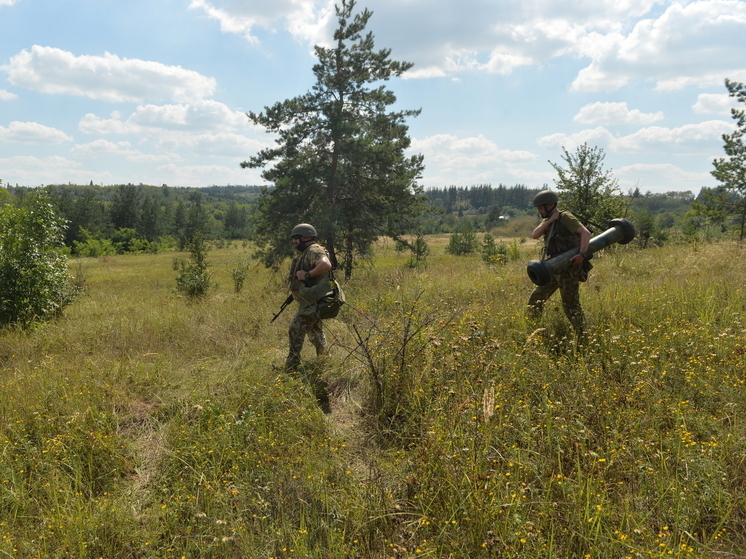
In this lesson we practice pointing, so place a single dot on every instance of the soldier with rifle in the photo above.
(309, 269)
(562, 231)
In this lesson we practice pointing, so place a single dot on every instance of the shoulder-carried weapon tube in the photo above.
(620, 231)
(285, 303)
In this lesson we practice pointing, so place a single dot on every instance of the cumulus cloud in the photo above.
(614, 113)
(691, 138)
(714, 103)
(303, 18)
(7, 95)
(103, 148)
(221, 144)
(468, 160)
(100, 148)
(660, 177)
(32, 133)
(685, 43)
(205, 128)
(696, 43)
(107, 78)
(203, 115)
(8, 2)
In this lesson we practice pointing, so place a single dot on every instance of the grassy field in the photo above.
(443, 424)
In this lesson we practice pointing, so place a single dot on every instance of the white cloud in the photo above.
(203, 128)
(688, 43)
(691, 138)
(203, 115)
(91, 124)
(100, 148)
(32, 133)
(8, 2)
(107, 78)
(697, 43)
(7, 95)
(468, 160)
(51, 162)
(596, 136)
(660, 177)
(614, 113)
(302, 18)
(714, 103)
(221, 144)
(29, 170)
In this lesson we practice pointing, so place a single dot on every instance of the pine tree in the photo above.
(339, 162)
(731, 171)
(125, 207)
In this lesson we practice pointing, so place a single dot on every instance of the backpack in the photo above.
(328, 306)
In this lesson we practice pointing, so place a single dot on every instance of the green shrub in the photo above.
(94, 248)
(492, 252)
(418, 247)
(194, 279)
(34, 283)
(462, 243)
(239, 273)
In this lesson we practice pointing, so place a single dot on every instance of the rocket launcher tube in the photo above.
(620, 231)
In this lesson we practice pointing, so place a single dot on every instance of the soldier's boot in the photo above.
(534, 310)
(292, 361)
(577, 319)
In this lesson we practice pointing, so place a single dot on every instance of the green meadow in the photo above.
(443, 424)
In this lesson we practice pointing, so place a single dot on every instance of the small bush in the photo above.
(194, 279)
(492, 252)
(462, 243)
(419, 249)
(94, 248)
(34, 282)
(239, 273)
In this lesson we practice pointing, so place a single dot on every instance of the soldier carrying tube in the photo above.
(562, 231)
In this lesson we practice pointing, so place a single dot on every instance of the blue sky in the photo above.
(156, 91)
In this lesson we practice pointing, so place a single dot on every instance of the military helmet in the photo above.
(545, 197)
(304, 230)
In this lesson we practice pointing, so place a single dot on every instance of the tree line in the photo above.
(143, 218)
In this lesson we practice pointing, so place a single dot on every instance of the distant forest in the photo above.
(483, 207)
(138, 218)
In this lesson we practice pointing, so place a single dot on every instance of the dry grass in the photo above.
(142, 425)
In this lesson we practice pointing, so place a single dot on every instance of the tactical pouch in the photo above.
(322, 300)
(328, 306)
(585, 269)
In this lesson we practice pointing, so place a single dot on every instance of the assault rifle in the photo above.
(285, 303)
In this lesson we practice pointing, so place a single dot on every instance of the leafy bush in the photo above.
(34, 281)
(94, 248)
(239, 273)
(194, 279)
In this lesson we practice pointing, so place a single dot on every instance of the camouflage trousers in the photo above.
(300, 327)
(569, 286)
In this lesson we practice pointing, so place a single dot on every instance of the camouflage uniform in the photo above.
(305, 322)
(562, 236)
